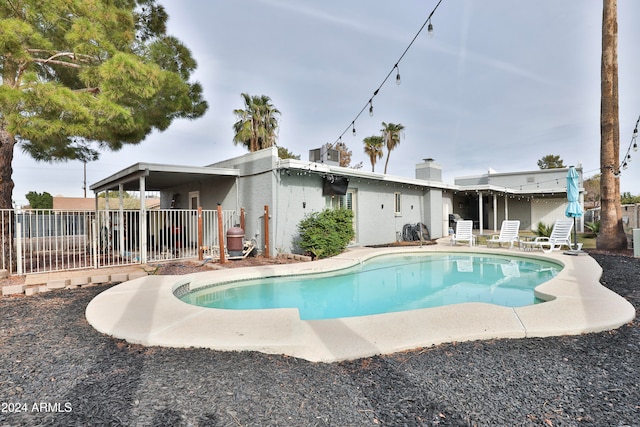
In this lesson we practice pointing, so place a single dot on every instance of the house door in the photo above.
(194, 199)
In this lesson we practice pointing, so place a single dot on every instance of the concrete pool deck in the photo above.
(145, 311)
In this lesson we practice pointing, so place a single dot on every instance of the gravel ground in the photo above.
(57, 370)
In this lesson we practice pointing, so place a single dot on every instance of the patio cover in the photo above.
(158, 176)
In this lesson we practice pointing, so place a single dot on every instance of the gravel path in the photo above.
(57, 370)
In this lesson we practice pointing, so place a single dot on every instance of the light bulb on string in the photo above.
(370, 108)
(625, 165)
(430, 28)
(628, 158)
(397, 75)
(635, 146)
(353, 128)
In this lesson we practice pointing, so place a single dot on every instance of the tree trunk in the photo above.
(611, 234)
(7, 142)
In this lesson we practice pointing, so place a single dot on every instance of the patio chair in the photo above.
(464, 232)
(560, 236)
(508, 234)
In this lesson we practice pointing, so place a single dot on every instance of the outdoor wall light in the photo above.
(304, 205)
(381, 206)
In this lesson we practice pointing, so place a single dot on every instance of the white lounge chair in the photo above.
(508, 234)
(464, 232)
(560, 236)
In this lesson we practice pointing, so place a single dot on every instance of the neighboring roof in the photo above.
(74, 203)
(89, 203)
(159, 176)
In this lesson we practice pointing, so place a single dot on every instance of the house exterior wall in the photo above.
(447, 208)
(518, 208)
(548, 210)
(212, 191)
(298, 194)
(293, 189)
(257, 189)
(433, 212)
(377, 221)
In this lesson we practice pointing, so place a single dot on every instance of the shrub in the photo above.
(544, 230)
(594, 227)
(327, 233)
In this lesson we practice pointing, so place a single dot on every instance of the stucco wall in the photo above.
(300, 193)
(212, 191)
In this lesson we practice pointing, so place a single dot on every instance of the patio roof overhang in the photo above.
(158, 176)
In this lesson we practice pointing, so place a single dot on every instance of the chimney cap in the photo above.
(428, 160)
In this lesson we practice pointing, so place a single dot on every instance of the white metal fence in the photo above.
(37, 241)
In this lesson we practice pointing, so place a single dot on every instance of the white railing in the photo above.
(7, 256)
(48, 240)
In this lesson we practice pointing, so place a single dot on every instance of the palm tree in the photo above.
(257, 124)
(391, 133)
(611, 234)
(373, 148)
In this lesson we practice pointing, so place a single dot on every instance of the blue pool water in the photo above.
(388, 283)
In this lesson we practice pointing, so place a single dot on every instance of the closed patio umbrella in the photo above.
(574, 210)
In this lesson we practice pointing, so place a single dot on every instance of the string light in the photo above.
(427, 23)
(627, 157)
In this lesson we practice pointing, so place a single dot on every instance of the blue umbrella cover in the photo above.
(574, 210)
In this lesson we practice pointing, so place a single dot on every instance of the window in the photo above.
(397, 203)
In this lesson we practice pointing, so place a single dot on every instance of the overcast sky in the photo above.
(500, 84)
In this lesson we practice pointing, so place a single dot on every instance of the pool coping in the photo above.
(145, 311)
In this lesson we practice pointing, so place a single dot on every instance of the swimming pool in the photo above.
(389, 283)
(146, 311)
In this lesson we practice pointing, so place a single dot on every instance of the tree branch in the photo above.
(52, 59)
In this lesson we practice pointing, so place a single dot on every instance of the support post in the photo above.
(242, 224)
(121, 243)
(480, 214)
(506, 206)
(200, 234)
(19, 265)
(267, 248)
(221, 235)
(495, 213)
(143, 220)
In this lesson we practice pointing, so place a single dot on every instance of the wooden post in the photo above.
(267, 249)
(242, 220)
(221, 235)
(200, 234)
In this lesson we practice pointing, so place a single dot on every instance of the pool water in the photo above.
(388, 283)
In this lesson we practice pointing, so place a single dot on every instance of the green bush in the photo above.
(544, 230)
(594, 227)
(327, 233)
